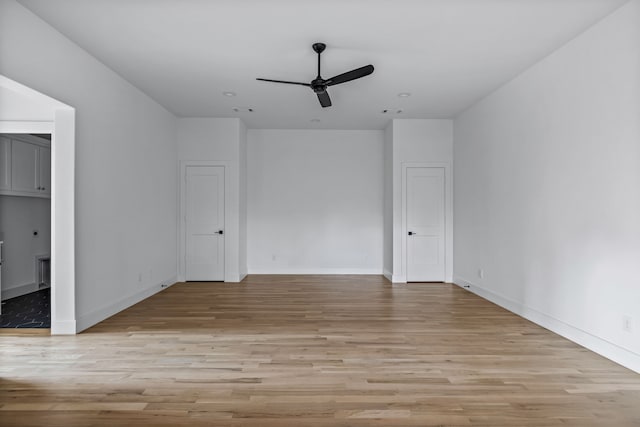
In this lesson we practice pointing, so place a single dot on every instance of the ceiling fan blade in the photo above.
(284, 81)
(350, 75)
(324, 99)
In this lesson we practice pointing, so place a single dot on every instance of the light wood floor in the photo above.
(312, 351)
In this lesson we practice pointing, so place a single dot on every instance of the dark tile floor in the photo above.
(27, 311)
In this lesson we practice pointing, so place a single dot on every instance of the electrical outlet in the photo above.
(139, 277)
(626, 323)
(273, 257)
(481, 273)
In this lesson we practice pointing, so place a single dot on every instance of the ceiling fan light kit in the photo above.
(320, 85)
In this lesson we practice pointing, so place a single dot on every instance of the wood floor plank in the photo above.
(312, 351)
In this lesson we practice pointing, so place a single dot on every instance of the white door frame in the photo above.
(62, 130)
(182, 229)
(448, 217)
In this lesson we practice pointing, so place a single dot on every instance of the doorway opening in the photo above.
(27, 111)
(25, 230)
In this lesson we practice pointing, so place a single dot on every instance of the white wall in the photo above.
(242, 267)
(125, 166)
(547, 190)
(429, 142)
(17, 107)
(19, 218)
(388, 202)
(315, 201)
(223, 142)
(208, 139)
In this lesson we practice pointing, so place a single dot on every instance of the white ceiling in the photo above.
(447, 53)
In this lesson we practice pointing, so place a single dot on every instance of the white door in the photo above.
(425, 224)
(204, 217)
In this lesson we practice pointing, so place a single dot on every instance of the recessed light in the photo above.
(391, 111)
(242, 109)
(229, 94)
(404, 94)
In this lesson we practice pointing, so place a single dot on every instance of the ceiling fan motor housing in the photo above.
(318, 85)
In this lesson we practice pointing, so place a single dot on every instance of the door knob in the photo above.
(220, 232)
(411, 233)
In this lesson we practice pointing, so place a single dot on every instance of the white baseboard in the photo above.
(596, 344)
(315, 271)
(94, 317)
(396, 278)
(63, 327)
(233, 277)
(230, 278)
(18, 291)
(387, 274)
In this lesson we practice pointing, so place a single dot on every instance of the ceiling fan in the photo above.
(319, 85)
